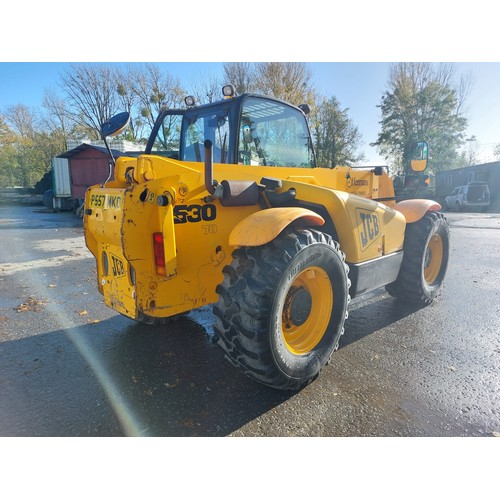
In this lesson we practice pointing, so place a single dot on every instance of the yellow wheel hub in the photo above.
(433, 259)
(307, 309)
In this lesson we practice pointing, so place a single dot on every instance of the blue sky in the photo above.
(352, 44)
(358, 86)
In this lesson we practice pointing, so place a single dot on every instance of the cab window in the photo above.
(167, 139)
(209, 125)
(272, 133)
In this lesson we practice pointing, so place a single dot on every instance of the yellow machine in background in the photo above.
(228, 207)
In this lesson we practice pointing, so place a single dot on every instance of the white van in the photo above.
(475, 195)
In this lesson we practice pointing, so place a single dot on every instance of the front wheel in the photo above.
(282, 308)
(425, 260)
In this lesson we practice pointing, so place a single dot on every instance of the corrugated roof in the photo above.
(83, 147)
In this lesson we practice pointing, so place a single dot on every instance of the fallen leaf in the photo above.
(31, 304)
(83, 312)
(52, 286)
(496, 434)
(452, 368)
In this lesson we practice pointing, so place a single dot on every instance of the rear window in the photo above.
(477, 192)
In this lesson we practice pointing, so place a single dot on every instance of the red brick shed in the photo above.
(88, 165)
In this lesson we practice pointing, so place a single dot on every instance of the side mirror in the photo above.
(419, 155)
(115, 125)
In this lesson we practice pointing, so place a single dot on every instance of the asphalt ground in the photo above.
(71, 367)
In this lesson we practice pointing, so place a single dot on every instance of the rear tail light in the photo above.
(159, 251)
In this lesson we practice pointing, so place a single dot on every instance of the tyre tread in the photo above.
(244, 304)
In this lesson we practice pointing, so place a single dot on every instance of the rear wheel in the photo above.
(282, 308)
(425, 260)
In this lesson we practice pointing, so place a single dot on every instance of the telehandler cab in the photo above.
(227, 206)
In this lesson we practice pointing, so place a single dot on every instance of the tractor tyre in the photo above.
(282, 308)
(425, 260)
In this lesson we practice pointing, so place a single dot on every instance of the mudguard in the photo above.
(414, 210)
(262, 227)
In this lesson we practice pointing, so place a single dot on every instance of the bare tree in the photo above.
(55, 116)
(241, 75)
(91, 95)
(128, 99)
(470, 154)
(496, 152)
(154, 90)
(206, 89)
(21, 120)
(463, 89)
(289, 81)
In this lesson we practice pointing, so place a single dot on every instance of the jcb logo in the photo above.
(117, 267)
(368, 227)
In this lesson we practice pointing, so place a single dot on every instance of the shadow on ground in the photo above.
(128, 379)
(118, 377)
(377, 311)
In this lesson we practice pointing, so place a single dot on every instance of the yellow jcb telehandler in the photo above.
(227, 206)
